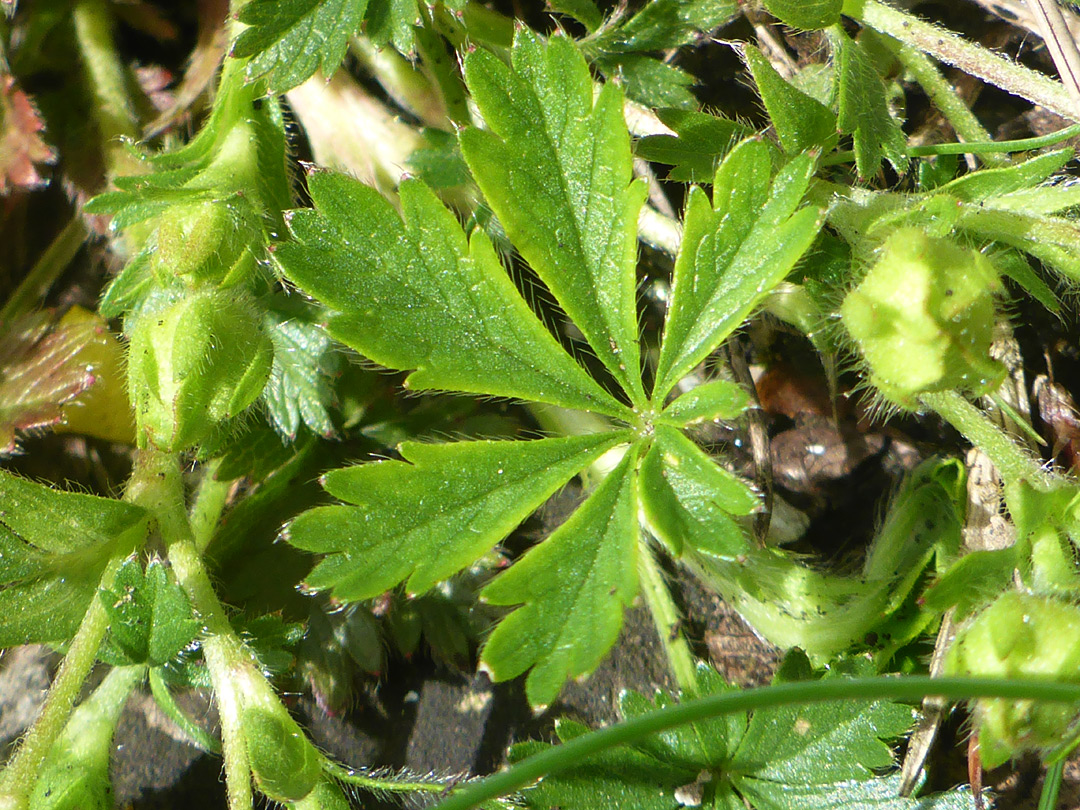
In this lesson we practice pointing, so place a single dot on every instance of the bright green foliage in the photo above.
(815, 756)
(801, 122)
(719, 399)
(935, 301)
(54, 547)
(75, 775)
(664, 24)
(418, 294)
(299, 389)
(864, 113)
(574, 588)
(733, 253)
(464, 498)
(556, 169)
(806, 14)
(290, 39)
(285, 763)
(701, 140)
(688, 498)
(150, 619)
(1021, 635)
(391, 22)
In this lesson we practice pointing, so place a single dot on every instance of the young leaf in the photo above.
(21, 146)
(648, 80)
(808, 15)
(418, 294)
(556, 169)
(573, 589)
(584, 11)
(664, 24)
(54, 547)
(291, 39)
(390, 22)
(150, 619)
(864, 112)
(719, 399)
(801, 122)
(733, 253)
(700, 141)
(462, 499)
(688, 499)
(299, 389)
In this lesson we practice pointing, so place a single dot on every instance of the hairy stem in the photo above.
(210, 499)
(954, 50)
(46, 270)
(572, 753)
(668, 622)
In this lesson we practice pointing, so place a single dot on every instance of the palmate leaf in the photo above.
(556, 169)
(418, 294)
(288, 40)
(801, 121)
(574, 588)
(700, 141)
(53, 548)
(810, 756)
(299, 389)
(734, 252)
(462, 499)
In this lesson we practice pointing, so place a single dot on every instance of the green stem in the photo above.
(944, 97)
(954, 50)
(17, 780)
(206, 509)
(108, 82)
(225, 656)
(668, 622)
(573, 753)
(1013, 462)
(1052, 786)
(379, 785)
(46, 270)
(163, 696)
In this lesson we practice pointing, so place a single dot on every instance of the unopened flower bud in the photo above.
(194, 364)
(206, 242)
(923, 318)
(1020, 636)
(286, 765)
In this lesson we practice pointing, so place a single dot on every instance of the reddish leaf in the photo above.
(20, 145)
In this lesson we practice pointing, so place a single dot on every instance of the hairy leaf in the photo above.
(150, 619)
(648, 80)
(54, 546)
(808, 15)
(573, 589)
(700, 141)
(391, 22)
(718, 399)
(801, 122)
(418, 294)
(864, 112)
(664, 24)
(426, 518)
(291, 39)
(688, 499)
(21, 146)
(584, 11)
(556, 169)
(299, 389)
(733, 254)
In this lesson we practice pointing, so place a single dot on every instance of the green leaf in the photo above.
(733, 254)
(718, 399)
(299, 389)
(426, 520)
(150, 619)
(573, 587)
(418, 294)
(688, 499)
(556, 169)
(986, 184)
(864, 112)
(291, 39)
(648, 80)
(801, 122)
(809, 15)
(391, 22)
(584, 11)
(790, 758)
(665, 24)
(54, 546)
(700, 141)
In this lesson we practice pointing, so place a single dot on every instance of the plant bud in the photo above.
(206, 242)
(286, 765)
(194, 364)
(325, 796)
(1020, 635)
(923, 318)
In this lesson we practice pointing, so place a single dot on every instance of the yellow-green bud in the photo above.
(923, 318)
(206, 242)
(286, 765)
(194, 364)
(1025, 636)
